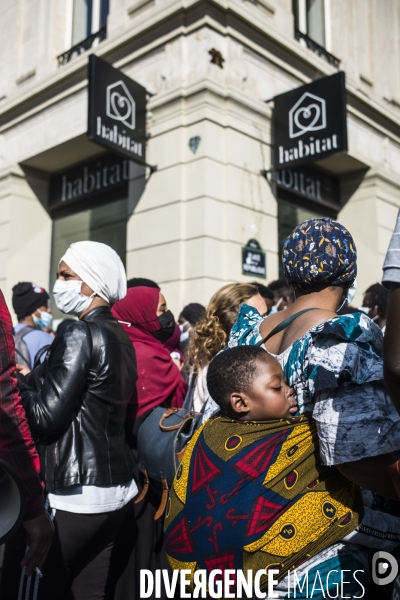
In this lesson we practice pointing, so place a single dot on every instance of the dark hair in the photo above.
(141, 282)
(232, 370)
(263, 290)
(193, 312)
(281, 286)
(379, 297)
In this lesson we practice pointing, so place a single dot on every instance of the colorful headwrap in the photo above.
(319, 251)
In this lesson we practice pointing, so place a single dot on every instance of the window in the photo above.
(309, 17)
(105, 223)
(88, 17)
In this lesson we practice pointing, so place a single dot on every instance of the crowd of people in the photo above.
(299, 423)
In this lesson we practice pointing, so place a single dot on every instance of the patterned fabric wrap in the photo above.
(251, 495)
(319, 251)
(336, 370)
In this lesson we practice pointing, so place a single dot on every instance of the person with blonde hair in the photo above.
(211, 333)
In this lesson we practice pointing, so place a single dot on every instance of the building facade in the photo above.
(212, 69)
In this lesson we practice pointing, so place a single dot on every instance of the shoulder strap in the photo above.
(39, 355)
(283, 325)
(25, 329)
(94, 332)
(21, 347)
(189, 398)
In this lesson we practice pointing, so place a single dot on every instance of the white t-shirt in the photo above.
(92, 499)
(201, 394)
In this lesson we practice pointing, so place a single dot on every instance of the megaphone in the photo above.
(12, 502)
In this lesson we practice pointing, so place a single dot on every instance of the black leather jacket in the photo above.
(78, 416)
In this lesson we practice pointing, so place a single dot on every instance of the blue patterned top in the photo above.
(336, 370)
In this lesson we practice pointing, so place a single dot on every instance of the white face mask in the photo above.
(351, 292)
(367, 311)
(69, 298)
(275, 308)
(184, 334)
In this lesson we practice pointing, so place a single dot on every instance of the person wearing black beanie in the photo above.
(31, 305)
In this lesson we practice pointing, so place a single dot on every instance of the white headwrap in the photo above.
(100, 267)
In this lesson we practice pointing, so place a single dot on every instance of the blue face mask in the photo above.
(44, 320)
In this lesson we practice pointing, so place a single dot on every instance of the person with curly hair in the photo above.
(211, 333)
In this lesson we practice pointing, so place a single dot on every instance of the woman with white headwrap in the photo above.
(78, 414)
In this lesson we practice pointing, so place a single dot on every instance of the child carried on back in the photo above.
(251, 492)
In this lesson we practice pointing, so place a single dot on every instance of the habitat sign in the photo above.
(310, 122)
(117, 111)
(104, 177)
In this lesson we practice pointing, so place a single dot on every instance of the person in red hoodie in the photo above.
(18, 450)
(144, 315)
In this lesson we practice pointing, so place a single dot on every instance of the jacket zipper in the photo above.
(56, 455)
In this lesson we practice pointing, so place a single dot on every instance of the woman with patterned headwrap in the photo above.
(334, 364)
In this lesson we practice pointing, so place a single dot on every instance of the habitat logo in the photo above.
(120, 104)
(308, 114)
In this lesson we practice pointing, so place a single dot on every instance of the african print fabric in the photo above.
(251, 495)
(319, 251)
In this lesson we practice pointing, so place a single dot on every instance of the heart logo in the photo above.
(119, 102)
(307, 117)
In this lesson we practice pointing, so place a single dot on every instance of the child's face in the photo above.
(269, 398)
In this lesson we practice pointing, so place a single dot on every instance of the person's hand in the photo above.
(39, 537)
(23, 369)
(178, 363)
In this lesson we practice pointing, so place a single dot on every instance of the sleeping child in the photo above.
(251, 492)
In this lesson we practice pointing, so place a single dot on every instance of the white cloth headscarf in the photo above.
(100, 267)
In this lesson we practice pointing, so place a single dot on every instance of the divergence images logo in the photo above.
(308, 114)
(384, 568)
(120, 104)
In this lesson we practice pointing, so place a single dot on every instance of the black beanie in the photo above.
(27, 297)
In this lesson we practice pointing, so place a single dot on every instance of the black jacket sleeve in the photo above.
(51, 410)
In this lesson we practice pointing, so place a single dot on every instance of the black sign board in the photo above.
(117, 111)
(310, 122)
(254, 260)
(309, 183)
(99, 178)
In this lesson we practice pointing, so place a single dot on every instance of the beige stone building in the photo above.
(212, 67)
